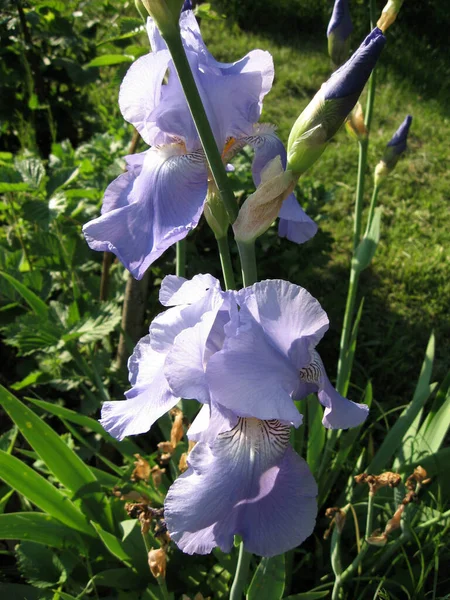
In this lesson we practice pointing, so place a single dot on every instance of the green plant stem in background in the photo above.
(344, 373)
(248, 262)
(359, 202)
(225, 261)
(204, 130)
(180, 268)
(241, 575)
(372, 206)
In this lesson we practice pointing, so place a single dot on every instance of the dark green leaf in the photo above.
(40, 528)
(269, 580)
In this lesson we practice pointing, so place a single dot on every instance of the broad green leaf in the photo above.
(32, 171)
(41, 566)
(123, 579)
(269, 580)
(110, 59)
(394, 438)
(34, 302)
(40, 528)
(316, 434)
(64, 463)
(113, 544)
(126, 447)
(43, 494)
(13, 187)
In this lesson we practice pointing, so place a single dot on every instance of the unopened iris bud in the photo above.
(389, 14)
(261, 208)
(355, 125)
(329, 108)
(215, 213)
(165, 13)
(157, 561)
(338, 32)
(395, 148)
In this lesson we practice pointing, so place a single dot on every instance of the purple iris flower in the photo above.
(161, 196)
(271, 359)
(340, 23)
(398, 140)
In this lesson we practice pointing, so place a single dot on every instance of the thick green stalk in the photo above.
(241, 575)
(248, 262)
(180, 267)
(204, 130)
(225, 261)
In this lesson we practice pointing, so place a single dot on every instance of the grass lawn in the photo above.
(407, 287)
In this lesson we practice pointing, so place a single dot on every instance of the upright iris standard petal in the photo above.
(271, 359)
(164, 204)
(249, 482)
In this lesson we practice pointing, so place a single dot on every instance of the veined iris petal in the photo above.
(248, 482)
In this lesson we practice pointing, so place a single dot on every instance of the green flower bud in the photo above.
(215, 213)
(165, 13)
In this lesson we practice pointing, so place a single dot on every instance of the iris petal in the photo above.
(148, 400)
(164, 204)
(248, 482)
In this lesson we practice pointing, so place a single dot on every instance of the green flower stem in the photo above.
(373, 204)
(204, 130)
(180, 268)
(362, 163)
(248, 262)
(241, 575)
(225, 261)
(343, 375)
(336, 561)
(351, 569)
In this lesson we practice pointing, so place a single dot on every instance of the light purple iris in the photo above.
(340, 23)
(398, 140)
(245, 356)
(161, 196)
(271, 359)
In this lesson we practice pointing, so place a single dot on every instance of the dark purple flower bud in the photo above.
(330, 106)
(349, 80)
(187, 5)
(340, 22)
(398, 140)
(338, 32)
(394, 149)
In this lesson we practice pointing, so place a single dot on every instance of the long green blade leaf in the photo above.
(40, 492)
(41, 528)
(394, 438)
(35, 303)
(62, 461)
(126, 447)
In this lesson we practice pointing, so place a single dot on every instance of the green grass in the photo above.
(407, 288)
